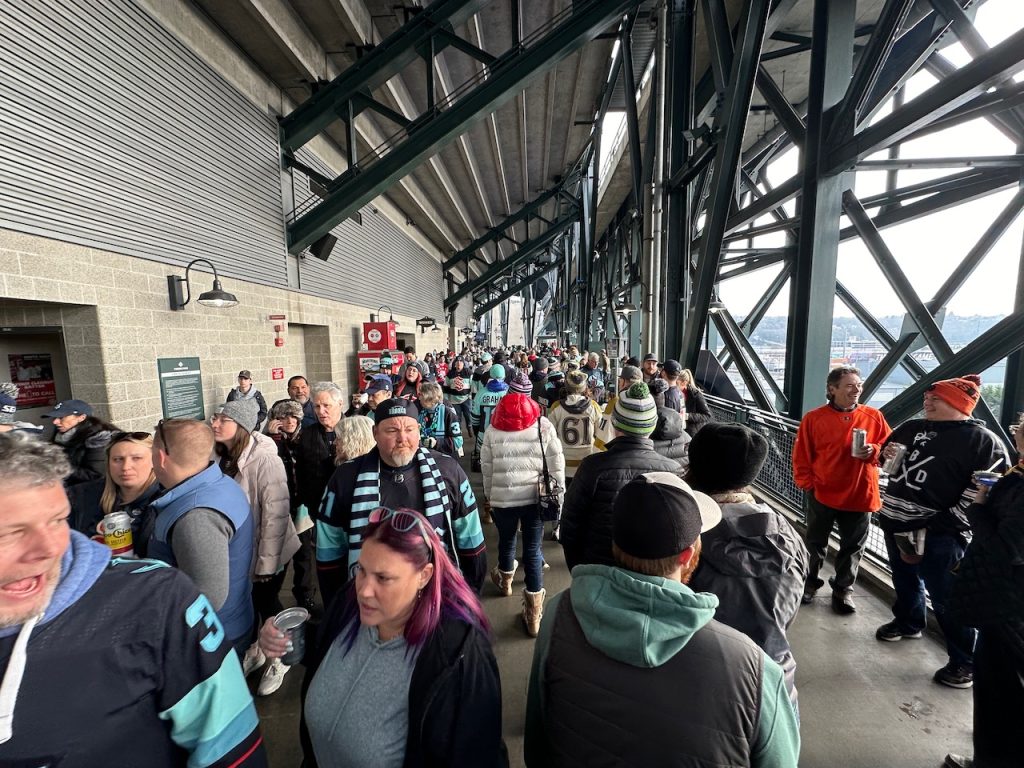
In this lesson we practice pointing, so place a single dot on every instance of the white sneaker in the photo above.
(253, 659)
(272, 678)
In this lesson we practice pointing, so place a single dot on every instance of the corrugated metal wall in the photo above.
(373, 263)
(117, 136)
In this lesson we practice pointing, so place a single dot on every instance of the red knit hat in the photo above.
(962, 393)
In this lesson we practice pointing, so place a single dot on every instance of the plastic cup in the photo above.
(292, 621)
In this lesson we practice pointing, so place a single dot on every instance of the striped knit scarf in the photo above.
(437, 505)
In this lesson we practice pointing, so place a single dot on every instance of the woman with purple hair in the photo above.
(403, 674)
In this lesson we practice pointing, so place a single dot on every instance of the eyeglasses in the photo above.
(163, 437)
(219, 418)
(403, 522)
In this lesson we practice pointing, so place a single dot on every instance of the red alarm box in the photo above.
(379, 336)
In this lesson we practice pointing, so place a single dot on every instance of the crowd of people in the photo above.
(682, 579)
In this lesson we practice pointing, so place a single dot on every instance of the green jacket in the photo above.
(644, 622)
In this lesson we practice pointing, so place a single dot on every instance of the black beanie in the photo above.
(725, 457)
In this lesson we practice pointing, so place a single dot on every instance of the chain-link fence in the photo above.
(776, 477)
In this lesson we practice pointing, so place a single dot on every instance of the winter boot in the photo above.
(533, 609)
(503, 579)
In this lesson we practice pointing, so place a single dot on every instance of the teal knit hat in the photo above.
(497, 371)
(635, 412)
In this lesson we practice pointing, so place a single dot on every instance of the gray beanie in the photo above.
(245, 412)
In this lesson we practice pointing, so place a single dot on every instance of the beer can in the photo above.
(117, 533)
(292, 621)
(987, 478)
(896, 453)
(860, 437)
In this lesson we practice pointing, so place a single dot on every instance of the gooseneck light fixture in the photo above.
(391, 315)
(179, 290)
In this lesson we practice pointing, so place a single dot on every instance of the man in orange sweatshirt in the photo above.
(842, 487)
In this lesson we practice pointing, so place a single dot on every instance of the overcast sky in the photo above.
(929, 248)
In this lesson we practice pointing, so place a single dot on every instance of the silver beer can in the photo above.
(860, 437)
(896, 453)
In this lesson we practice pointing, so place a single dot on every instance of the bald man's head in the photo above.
(181, 449)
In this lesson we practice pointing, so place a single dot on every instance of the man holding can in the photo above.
(106, 662)
(924, 515)
(841, 480)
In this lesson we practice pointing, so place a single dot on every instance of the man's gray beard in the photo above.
(397, 459)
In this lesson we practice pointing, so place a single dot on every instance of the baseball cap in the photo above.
(69, 407)
(672, 367)
(244, 374)
(650, 356)
(394, 407)
(379, 383)
(658, 515)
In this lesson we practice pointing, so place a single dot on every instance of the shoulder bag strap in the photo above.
(544, 459)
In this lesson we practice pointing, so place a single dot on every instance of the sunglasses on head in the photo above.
(403, 522)
(119, 437)
(163, 436)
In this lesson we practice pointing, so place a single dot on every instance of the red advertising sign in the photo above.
(33, 373)
(277, 374)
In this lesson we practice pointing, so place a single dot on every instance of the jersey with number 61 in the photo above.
(575, 420)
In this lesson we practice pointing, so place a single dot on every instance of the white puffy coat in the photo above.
(261, 475)
(512, 463)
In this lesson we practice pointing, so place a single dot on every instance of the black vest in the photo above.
(700, 708)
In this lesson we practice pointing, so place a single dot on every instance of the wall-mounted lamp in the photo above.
(391, 315)
(435, 329)
(425, 322)
(626, 307)
(179, 297)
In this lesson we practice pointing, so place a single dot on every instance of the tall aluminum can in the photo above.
(897, 452)
(117, 534)
(859, 439)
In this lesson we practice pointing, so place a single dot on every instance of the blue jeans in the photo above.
(507, 520)
(941, 554)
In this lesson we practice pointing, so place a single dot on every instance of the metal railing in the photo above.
(776, 477)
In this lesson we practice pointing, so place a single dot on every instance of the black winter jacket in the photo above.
(586, 527)
(697, 412)
(669, 438)
(988, 592)
(314, 465)
(86, 449)
(454, 696)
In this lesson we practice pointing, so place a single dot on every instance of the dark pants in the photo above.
(304, 583)
(465, 412)
(266, 597)
(507, 520)
(998, 702)
(853, 535)
(935, 573)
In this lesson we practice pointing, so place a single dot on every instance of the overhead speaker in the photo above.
(322, 248)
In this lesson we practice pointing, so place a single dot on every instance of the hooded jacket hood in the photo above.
(670, 425)
(639, 620)
(496, 385)
(576, 404)
(515, 412)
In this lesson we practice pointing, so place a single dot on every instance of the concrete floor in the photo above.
(863, 703)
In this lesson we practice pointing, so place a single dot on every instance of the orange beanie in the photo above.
(962, 393)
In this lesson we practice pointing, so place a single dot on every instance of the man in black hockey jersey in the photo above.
(110, 662)
(924, 515)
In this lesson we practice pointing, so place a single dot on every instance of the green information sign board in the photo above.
(181, 387)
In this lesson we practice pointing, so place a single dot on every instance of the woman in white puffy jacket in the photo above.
(512, 457)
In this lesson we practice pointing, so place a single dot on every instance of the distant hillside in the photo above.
(958, 330)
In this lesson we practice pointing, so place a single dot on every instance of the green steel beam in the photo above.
(813, 285)
(358, 186)
(373, 69)
(958, 89)
(527, 250)
(779, 104)
(733, 121)
(513, 290)
(735, 342)
(497, 232)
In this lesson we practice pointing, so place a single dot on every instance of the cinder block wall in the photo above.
(116, 320)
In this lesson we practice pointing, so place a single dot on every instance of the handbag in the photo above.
(549, 491)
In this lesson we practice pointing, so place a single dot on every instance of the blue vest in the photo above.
(212, 489)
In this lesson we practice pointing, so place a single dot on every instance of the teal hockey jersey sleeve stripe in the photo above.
(332, 542)
(215, 716)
